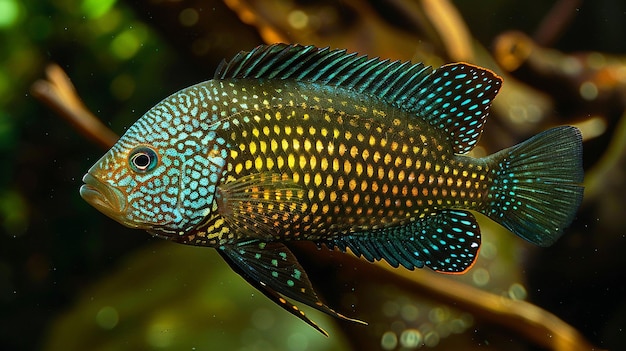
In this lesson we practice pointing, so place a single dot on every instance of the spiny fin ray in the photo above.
(454, 98)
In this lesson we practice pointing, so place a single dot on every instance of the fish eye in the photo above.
(143, 159)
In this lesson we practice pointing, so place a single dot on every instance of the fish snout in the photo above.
(105, 198)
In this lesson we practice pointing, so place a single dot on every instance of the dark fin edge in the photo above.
(454, 98)
(258, 273)
(447, 241)
(537, 185)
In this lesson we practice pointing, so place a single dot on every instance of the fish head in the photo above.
(162, 182)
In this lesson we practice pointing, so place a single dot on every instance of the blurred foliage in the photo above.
(72, 279)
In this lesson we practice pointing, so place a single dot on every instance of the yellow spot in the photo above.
(303, 161)
(421, 178)
(372, 140)
(248, 164)
(313, 162)
(263, 146)
(277, 129)
(365, 154)
(354, 151)
(370, 170)
(335, 165)
(299, 130)
(280, 161)
(266, 130)
(296, 177)
(306, 178)
(255, 132)
(359, 168)
(307, 145)
(340, 182)
(324, 164)
(348, 135)
(391, 174)
(398, 161)
(347, 167)
(363, 185)
(376, 156)
(269, 163)
(355, 198)
(330, 148)
(381, 173)
(360, 137)
(258, 163)
(319, 146)
(291, 161)
(342, 149)
(333, 196)
(321, 194)
(329, 180)
(252, 147)
(288, 130)
(387, 159)
(374, 186)
(437, 168)
(401, 175)
(238, 168)
(352, 184)
(428, 165)
(285, 144)
(312, 130)
(336, 133)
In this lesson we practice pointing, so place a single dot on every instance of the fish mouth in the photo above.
(104, 198)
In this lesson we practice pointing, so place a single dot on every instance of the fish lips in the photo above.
(104, 198)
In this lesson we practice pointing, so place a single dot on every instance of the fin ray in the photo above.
(273, 269)
(538, 185)
(447, 241)
(454, 98)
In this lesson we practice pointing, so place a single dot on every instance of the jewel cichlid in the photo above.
(291, 142)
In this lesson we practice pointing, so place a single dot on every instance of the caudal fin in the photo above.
(537, 187)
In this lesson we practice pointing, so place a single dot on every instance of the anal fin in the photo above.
(447, 241)
(273, 269)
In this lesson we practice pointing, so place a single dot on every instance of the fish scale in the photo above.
(291, 142)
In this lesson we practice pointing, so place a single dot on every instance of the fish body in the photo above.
(292, 142)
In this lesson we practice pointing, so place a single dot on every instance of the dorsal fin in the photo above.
(454, 98)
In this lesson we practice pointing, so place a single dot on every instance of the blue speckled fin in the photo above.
(273, 269)
(454, 98)
(447, 241)
(259, 203)
(537, 186)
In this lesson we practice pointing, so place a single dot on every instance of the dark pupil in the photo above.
(141, 161)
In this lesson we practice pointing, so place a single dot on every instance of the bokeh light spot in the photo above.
(9, 13)
(96, 8)
(107, 317)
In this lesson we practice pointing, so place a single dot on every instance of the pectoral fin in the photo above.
(258, 204)
(273, 269)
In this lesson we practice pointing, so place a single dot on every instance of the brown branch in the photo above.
(59, 93)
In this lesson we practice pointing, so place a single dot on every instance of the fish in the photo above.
(299, 143)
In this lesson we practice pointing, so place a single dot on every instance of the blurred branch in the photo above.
(536, 324)
(59, 93)
(556, 21)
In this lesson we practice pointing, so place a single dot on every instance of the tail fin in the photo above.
(537, 187)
